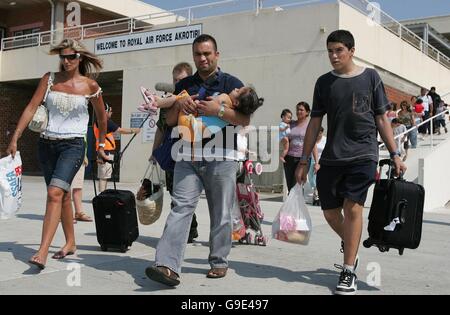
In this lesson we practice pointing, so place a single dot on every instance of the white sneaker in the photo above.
(347, 283)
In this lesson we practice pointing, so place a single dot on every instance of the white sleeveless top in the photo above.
(68, 115)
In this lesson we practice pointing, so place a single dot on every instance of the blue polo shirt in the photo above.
(218, 83)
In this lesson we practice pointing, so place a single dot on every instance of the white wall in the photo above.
(434, 174)
(378, 46)
(281, 53)
(129, 8)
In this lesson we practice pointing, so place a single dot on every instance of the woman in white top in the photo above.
(61, 145)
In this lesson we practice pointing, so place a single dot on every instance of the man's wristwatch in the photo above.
(394, 154)
(221, 110)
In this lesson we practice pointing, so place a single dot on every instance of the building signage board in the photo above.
(148, 129)
(148, 40)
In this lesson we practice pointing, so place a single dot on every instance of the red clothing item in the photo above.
(418, 108)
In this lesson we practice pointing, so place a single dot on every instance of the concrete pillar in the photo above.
(59, 21)
(425, 38)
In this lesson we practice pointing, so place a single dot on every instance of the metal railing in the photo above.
(380, 17)
(416, 127)
(192, 13)
(186, 15)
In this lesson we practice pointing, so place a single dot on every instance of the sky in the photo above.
(398, 9)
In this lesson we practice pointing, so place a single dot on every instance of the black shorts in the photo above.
(336, 183)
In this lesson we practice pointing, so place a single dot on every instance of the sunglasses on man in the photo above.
(70, 57)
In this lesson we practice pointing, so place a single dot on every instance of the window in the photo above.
(27, 32)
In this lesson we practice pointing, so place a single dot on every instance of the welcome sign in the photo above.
(148, 40)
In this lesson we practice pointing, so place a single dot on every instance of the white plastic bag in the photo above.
(293, 223)
(10, 186)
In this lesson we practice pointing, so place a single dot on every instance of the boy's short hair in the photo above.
(395, 121)
(342, 36)
(419, 101)
(182, 66)
(285, 112)
(249, 102)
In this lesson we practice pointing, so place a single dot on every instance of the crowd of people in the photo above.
(341, 166)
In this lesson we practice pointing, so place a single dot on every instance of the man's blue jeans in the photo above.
(218, 178)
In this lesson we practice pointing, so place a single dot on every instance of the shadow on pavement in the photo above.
(36, 217)
(320, 277)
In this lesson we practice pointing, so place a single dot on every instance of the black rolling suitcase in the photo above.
(396, 213)
(115, 219)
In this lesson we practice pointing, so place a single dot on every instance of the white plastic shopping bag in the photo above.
(293, 223)
(10, 186)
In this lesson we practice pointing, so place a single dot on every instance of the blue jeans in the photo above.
(60, 160)
(218, 178)
(413, 138)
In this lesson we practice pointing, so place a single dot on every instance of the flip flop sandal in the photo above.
(215, 273)
(61, 254)
(163, 275)
(34, 261)
(83, 217)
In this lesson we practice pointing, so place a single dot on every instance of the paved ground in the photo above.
(279, 268)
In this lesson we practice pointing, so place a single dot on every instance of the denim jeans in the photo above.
(218, 178)
(413, 138)
(60, 160)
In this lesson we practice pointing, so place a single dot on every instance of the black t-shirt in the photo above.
(351, 104)
(111, 126)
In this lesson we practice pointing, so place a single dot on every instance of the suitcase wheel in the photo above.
(104, 248)
(367, 243)
(400, 251)
(123, 248)
(383, 248)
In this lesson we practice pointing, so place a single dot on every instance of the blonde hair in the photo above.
(90, 64)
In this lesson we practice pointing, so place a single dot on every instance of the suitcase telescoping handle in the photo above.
(120, 154)
(93, 175)
(391, 170)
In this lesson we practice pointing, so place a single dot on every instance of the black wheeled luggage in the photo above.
(115, 219)
(396, 213)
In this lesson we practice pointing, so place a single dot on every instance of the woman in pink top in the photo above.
(296, 139)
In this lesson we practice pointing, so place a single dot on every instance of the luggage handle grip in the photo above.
(391, 169)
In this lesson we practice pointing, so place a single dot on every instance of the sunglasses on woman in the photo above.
(70, 57)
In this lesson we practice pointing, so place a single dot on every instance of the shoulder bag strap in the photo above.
(51, 78)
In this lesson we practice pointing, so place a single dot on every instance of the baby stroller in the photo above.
(251, 215)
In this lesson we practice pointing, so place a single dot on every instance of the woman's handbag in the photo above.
(149, 199)
(39, 121)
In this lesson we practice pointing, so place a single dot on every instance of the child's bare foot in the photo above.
(282, 159)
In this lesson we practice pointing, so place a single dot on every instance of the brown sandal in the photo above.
(83, 217)
(215, 273)
(163, 275)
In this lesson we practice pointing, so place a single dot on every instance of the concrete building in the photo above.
(280, 50)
